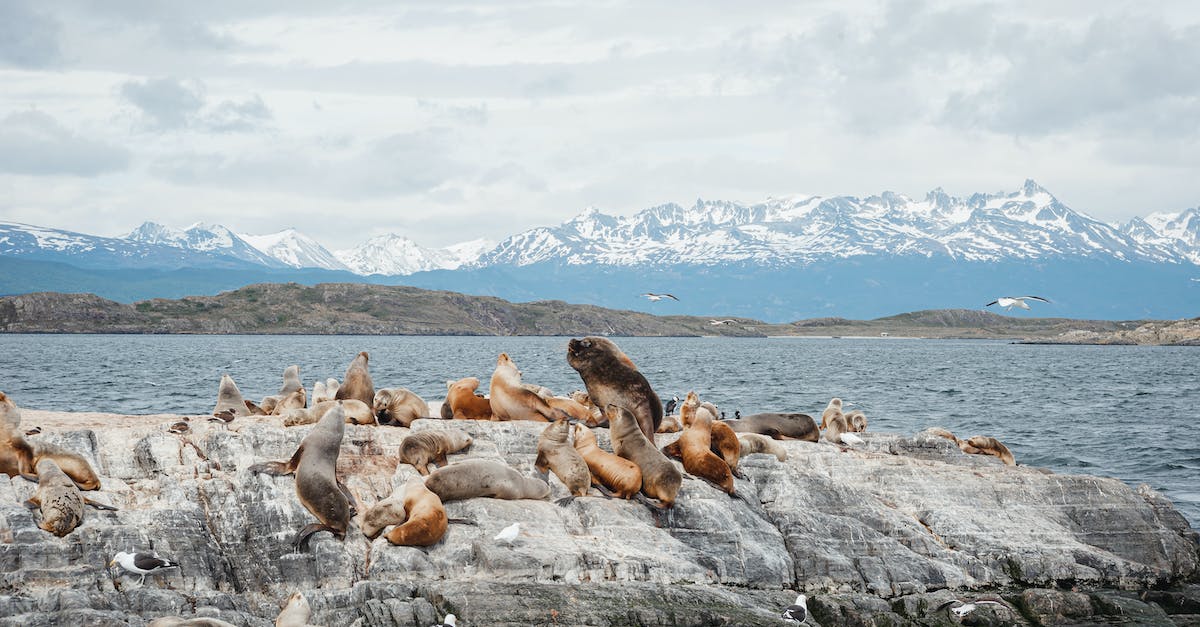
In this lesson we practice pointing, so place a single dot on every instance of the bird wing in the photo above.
(147, 561)
(1031, 298)
(671, 296)
(850, 438)
(991, 303)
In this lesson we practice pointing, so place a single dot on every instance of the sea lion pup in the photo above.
(857, 420)
(357, 413)
(229, 399)
(419, 449)
(357, 382)
(612, 379)
(297, 399)
(484, 477)
(295, 613)
(778, 426)
(698, 459)
(556, 453)
(383, 514)
(427, 520)
(660, 477)
(834, 408)
(463, 403)
(621, 477)
(511, 401)
(317, 486)
(756, 443)
(399, 407)
(985, 445)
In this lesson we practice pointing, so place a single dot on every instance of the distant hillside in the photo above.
(353, 308)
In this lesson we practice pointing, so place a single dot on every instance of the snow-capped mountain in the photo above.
(201, 237)
(294, 249)
(1026, 224)
(393, 254)
(1179, 230)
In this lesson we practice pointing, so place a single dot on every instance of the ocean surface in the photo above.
(1131, 412)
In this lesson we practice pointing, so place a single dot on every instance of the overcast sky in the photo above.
(445, 121)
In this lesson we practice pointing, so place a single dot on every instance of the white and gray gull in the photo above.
(141, 563)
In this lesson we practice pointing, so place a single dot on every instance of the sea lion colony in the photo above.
(623, 402)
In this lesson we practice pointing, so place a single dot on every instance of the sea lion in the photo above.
(556, 453)
(778, 426)
(357, 413)
(660, 478)
(597, 415)
(612, 379)
(834, 408)
(670, 424)
(942, 433)
(296, 399)
(484, 477)
(419, 449)
(383, 514)
(229, 399)
(857, 420)
(463, 403)
(723, 441)
(357, 382)
(196, 621)
(617, 474)
(331, 388)
(291, 382)
(399, 407)
(426, 523)
(698, 458)
(570, 407)
(540, 390)
(511, 401)
(321, 392)
(756, 443)
(986, 445)
(10, 416)
(836, 426)
(21, 457)
(57, 498)
(256, 408)
(317, 486)
(295, 613)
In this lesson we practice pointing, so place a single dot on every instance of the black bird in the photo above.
(671, 405)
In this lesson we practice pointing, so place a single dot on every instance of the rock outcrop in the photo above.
(881, 534)
(1171, 333)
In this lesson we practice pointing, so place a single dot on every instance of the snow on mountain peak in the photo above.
(392, 254)
(294, 249)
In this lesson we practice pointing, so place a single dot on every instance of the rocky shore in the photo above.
(882, 534)
(1171, 333)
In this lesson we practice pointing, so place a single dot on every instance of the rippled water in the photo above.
(1125, 411)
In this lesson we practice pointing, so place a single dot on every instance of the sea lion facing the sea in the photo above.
(834, 408)
(10, 416)
(857, 420)
(357, 383)
(230, 402)
(611, 378)
(986, 445)
(291, 382)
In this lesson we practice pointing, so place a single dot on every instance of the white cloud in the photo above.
(34, 143)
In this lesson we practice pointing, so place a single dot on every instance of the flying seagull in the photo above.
(797, 611)
(657, 297)
(142, 563)
(508, 534)
(1008, 302)
(718, 322)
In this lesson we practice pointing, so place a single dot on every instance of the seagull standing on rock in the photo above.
(141, 563)
(797, 611)
(657, 297)
(450, 621)
(1008, 302)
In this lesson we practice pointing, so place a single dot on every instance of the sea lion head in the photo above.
(594, 352)
(583, 435)
(468, 383)
(505, 360)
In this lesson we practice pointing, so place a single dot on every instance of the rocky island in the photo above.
(885, 533)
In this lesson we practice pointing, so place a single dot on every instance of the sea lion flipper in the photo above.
(302, 536)
(98, 505)
(541, 466)
(270, 468)
(603, 490)
(28, 476)
(462, 521)
(349, 497)
(32, 504)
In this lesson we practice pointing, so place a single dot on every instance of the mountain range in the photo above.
(780, 259)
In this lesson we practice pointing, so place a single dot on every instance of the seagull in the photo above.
(1008, 302)
(849, 439)
(657, 297)
(797, 611)
(966, 608)
(508, 534)
(450, 621)
(720, 322)
(142, 563)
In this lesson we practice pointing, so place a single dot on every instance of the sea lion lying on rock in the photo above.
(779, 426)
(756, 443)
(356, 412)
(421, 449)
(463, 403)
(472, 478)
(426, 521)
(985, 445)
(399, 407)
(58, 500)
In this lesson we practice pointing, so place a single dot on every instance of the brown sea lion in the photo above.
(698, 458)
(296, 612)
(426, 523)
(21, 457)
(986, 445)
(256, 408)
(556, 453)
(357, 382)
(857, 420)
(942, 433)
(511, 401)
(314, 464)
(724, 442)
(463, 403)
(755, 443)
(399, 407)
(357, 413)
(570, 407)
(833, 408)
(420, 449)
(836, 427)
(660, 478)
(778, 426)
(597, 414)
(471, 478)
(229, 399)
(383, 514)
(670, 424)
(617, 474)
(612, 379)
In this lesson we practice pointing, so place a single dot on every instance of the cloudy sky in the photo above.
(446, 121)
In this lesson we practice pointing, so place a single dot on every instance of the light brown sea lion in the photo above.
(484, 477)
(21, 457)
(670, 424)
(399, 407)
(426, 523)
(256, 408)
(229, 399)
(834, 408)
(357, 413)
(297, 399)
(756, 443)
(357, 382)
(556, 453)
(10, 416)
(660, 478)
(778, 426)
(511, 401)
(320, 393)
(295, 613)
(60, 502)
(291, 381)
(420, 449)
(540, 390)
(699, 459)
(195, 621)
(986, 445)
(612, 379)
(597, 414)
(314, 464)
(723, 440)
(836, 427)
(612, 472)
(942, 433)
(463, 403)
(571, 408)
(383, 514)
(857, 420)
